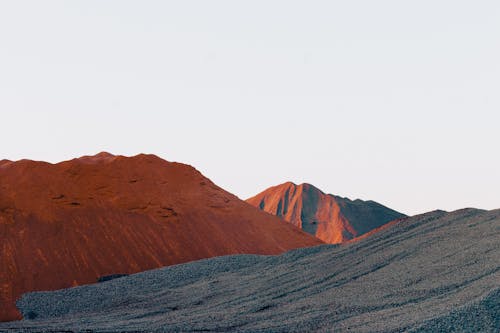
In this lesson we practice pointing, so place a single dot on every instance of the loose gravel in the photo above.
(437, 272)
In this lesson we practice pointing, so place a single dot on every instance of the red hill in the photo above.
(331, 218)
(70, 223)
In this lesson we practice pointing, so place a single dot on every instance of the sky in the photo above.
(393, 101)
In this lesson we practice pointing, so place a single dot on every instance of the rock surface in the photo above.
(68, 224)
(331, 218)
(437, 272)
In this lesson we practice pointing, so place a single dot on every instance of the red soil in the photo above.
(69, 223)
(377, 230)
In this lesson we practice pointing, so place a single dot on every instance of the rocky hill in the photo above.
(70, 223)
(331, 218)
(437, 272)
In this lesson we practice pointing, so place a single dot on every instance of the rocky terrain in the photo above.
(331, 218)
(71, 223)
(436, 272)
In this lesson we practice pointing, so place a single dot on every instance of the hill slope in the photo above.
(332, 219)
(437, 272)
(70, 223)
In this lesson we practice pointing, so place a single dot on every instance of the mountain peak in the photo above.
(97, 158)
(331, 218)
(5, 162)
(292, 185)
(104, 154)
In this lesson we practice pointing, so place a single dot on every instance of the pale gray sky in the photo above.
(395, 101)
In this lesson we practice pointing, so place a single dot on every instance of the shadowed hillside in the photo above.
(331, 218)
(68, 224)
(437, 272)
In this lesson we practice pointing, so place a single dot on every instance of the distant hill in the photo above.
(436, 272)
(70, 223)
(331, 218)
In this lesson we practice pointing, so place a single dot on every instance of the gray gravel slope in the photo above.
(437, 272)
